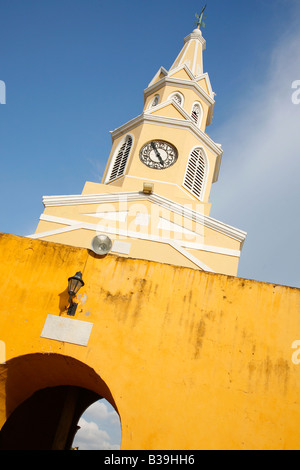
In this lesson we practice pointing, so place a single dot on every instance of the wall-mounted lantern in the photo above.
(74, 284)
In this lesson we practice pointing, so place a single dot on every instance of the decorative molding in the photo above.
(129, 234)
(192, 258)
(196, 35)
(171, 101)
(76, 225)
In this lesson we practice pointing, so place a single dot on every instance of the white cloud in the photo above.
(258, 189)
(100, 411)
(99, 428)
(90, 437)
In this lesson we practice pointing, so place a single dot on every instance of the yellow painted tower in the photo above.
(153, 201)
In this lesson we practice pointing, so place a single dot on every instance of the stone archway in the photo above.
(45, 396)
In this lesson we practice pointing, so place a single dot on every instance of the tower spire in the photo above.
(192, 52)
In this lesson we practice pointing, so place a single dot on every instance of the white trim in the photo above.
(56, 231)
(195, 56)
(208, 83)
(207, 221)
(180, 62)
(76, 225)
(113, 231)
(168, 225)
(182, 66)
(196, 35)
(113, 158)
(206, 172)
(169, 102)
(192, 258)
(161, 70)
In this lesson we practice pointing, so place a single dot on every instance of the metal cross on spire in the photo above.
(200, 18)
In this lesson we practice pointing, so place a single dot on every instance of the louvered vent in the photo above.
(121, 159)
(196, 113)
(195, 172)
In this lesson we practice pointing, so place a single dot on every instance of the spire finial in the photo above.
(200, 18)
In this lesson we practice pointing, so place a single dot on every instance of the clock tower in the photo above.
(167, 145)
(153, 200)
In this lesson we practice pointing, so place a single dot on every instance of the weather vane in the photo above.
(200, 18)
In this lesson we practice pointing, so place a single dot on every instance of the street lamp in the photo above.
(74, 284)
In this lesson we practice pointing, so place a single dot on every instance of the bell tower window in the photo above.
(155, 101)
(177, 97)
(120, 159)
(195, 175)
(196, 113)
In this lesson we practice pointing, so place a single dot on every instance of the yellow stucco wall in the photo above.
(191, 360)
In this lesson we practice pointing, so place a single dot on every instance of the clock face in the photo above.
(158, 154)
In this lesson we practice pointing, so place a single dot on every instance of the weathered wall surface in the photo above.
(190, 360)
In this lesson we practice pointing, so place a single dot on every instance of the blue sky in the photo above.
(57, 57)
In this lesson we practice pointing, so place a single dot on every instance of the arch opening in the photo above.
(46, 396)
(99, 428)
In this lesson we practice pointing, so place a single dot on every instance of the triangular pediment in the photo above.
(204, 82)
(169, 109)
(162, 72)
(183, 73)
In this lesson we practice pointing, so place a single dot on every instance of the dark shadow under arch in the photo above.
(45, 396)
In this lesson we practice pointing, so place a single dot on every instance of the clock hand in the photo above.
(157, 153)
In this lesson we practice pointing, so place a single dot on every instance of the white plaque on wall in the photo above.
(66, 329)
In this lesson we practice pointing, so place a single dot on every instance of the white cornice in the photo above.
(196, 35)
(191, 214)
